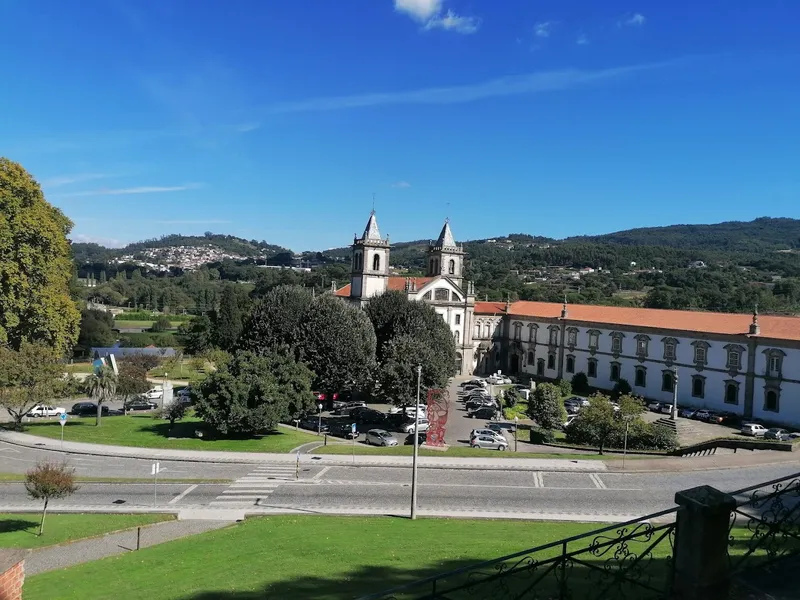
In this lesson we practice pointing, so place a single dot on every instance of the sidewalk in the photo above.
(515, 464)
(69, 554)
(741, 459)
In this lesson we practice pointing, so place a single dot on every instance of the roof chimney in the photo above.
(564, 308)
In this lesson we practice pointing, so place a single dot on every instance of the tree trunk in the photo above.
(99, 413)
(44, 512)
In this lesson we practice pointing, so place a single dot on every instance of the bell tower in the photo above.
(446, 258)
(370, 263)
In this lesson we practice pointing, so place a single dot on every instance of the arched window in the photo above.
(452, 268)
(771, 400)
(570, 364)
(640, 379)
(487, 329)
(441, 294)
(731, 393)
(530, 358)
(457, 337)
(358, 261)
(376, 262)
(517, 331)
(477, 330)
(614, 371)
(531, 332)
(698, 386)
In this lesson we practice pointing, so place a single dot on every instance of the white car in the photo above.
(45, 410)
(488, 433)
(754, 429)
(396, 410)
(154, 394)
(423, 426)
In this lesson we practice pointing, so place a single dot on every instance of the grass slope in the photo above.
(144, 431)
(19, 530)
(296, 557)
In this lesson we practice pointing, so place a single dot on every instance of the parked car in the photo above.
(501, 426)
(580, 400)
(314, 423)
(666, 408)
(572, 406)
(487, 432)
(380, 437)
(488, 442)
(409, 427)
(344, 430)
(687, 412)
(186, 391)
(154, 394)
(370, 416)
(87, 409)
(141, 404)
(753, 429)
(422, 437)
(654, 406)
(715, 417)
(46, 410)
(702, 415)
(484, 412)
(776, 433)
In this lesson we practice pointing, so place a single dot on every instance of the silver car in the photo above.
(489, 443)
(409, 427)
(488, 433)
(380, 437)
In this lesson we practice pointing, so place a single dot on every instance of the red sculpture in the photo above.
(438, 407)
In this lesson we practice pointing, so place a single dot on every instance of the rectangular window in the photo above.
(614, 372)
(616, 345)
(641, 347)
(669, 351)
(733, 359)
(458, 319)
(594, 340)
(572, 340)
(698, 387)
(554, 336)
(592, 369)
(700, 354)
(570, 364)
(774, 365)
(641, 378)
(551, 361)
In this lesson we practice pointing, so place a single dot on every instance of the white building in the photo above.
(745, 364)
(443, 287)
(748, 365)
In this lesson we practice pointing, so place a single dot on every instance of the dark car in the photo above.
(369, 416)
(87, 409)
(483, 403)
(314, 423)
(485, 412)
(422, 436)
(343, 430)
(140, 404)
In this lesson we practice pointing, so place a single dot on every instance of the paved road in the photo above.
(359, 488)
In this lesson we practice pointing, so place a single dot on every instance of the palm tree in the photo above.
(101, 386)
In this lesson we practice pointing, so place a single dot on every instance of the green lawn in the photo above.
(124, 323)
(144, 431)
(184, 371)
(19, 530)
(79, 367)
(455, 451)
(296, 557)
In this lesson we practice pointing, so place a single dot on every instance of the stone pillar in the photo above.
(12, 572)
(701, 544)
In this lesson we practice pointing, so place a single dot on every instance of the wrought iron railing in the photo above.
(765, 525)
(627, 560)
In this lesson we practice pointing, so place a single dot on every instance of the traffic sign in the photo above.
(62, 418)
(353, 427)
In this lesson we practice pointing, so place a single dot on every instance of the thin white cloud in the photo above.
(420, 10)
(194, 222)
(431, 14)
(145, 189)
(450, 21)
(532, 83)
(401, 184)
(634, 20)
(582, 40)
(93, 239)
(543, 29)
(69, 179)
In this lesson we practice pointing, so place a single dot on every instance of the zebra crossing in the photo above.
(255, 486)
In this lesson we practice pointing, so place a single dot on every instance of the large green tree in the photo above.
(30, 376)
(131, 381)
(252, 393)
(408, 334)
(95, 332)
(35, 265)
(546, 409)
(228, 320)
(333, 338)
(101, 386)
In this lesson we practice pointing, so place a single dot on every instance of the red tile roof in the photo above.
(395, 283)
(783, 328)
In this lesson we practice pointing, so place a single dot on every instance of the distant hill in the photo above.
(94, 253)
(765, 233)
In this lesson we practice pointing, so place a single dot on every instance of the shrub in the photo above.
(564, 386)
(580, 383)
(50, 481)
(161, 325)
(174, 411)
(622, 388)
(510, 398)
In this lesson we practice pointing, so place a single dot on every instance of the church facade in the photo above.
(745, 364)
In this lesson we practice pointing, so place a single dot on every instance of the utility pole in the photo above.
(674, 414)
(416, 449)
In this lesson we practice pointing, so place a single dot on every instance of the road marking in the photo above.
(319, 475)
(538, 479)
(183, 494)
(12, 450)
(536, 485)
(597, 481)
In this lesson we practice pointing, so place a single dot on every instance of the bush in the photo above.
(580, 384)
(510, 398)
(622, 388)
(161, 325)
(174, 411)
(564, 386)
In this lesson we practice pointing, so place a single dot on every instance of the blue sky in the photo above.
(280, 119)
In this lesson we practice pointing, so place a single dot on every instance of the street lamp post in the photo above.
(416, 450)
(674, 414)
(516, 429)
(319, 419)
(625, 444)
(164, 390)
